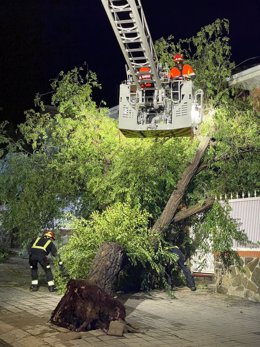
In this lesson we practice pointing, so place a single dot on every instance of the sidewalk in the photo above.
(200, 318)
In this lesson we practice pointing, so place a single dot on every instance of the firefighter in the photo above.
(181, 71)
(186, 271)
(145, 75)
(38, 251)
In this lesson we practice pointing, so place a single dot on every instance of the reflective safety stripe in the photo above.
(41, 247)
(34, 282)
(51, 283)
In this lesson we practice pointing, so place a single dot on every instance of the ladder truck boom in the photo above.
(150, 104)
(128, 21)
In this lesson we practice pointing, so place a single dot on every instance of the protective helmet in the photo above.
(178, 57)
(144, 69)
(50, 234)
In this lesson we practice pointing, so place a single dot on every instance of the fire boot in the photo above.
(52, 289)
(34, 288)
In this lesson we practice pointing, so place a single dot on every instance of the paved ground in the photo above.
(201, 318)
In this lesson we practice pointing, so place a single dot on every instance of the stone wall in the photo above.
(242, 281)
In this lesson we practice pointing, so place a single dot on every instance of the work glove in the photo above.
(63, 271)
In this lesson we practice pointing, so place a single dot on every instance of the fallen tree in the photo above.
(107, 263)
(88, 304)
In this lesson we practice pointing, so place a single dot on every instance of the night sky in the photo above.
(39, 38)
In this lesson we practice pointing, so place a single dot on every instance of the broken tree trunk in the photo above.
(171, 207)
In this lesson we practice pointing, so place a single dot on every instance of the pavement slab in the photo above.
(188, 319)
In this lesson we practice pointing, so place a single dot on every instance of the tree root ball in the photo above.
(85, 306)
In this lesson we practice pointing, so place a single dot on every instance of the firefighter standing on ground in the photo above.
(180, 70)
(186, 271)
(38, 251)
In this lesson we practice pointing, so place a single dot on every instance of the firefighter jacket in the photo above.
(41, 247)
(186, 71)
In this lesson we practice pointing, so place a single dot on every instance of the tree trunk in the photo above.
(106, 266)
(171, 207)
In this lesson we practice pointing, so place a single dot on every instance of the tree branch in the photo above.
(200, 207)
(171, 207)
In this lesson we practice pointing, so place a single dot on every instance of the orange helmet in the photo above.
(50, 234)
(178, 58)
(144, 69)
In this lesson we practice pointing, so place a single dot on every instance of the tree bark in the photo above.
(171, 207)
(106, 266)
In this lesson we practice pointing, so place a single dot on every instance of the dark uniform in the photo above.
(39, 249)
(186, 271)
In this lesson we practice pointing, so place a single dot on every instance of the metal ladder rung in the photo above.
(133, 50)
(131, 40)
(124, 21)
(124, 8)
(113, 4)
(138, 58)
(127, 30)
(116, 10)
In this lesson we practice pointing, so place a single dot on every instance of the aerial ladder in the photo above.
(150, 104)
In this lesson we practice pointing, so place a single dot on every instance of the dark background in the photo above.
(39, 38)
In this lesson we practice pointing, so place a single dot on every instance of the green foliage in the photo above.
(218, 230)
(4, 141)
(71, 94)
(68, 154)
(144, 173)
(3, 255)
(79, 151)
(216, 234)
(59, 279)
(231, 164)
(30, 194)
(119, 223)
(209, 53)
